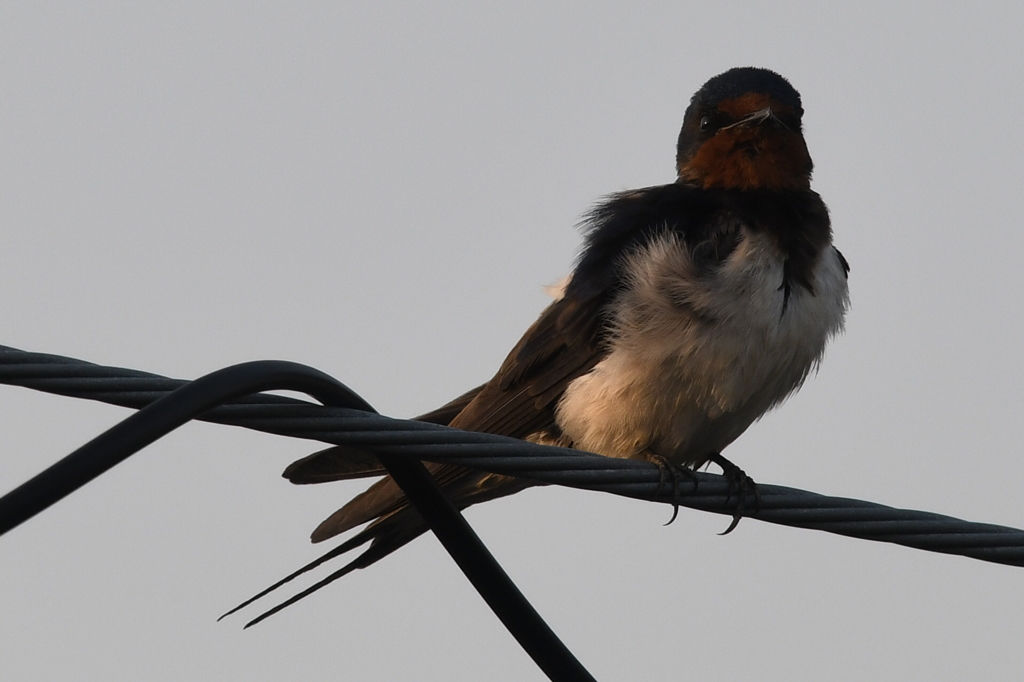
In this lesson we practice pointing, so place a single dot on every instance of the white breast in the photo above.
(695, 359)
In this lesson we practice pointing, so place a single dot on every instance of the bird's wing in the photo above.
(446, 413)
(566, 341)
(519, 402)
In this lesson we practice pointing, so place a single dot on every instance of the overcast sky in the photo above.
(381, 191)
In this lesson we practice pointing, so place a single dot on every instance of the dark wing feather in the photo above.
(338, 463)
(446, 413)
(520, 400)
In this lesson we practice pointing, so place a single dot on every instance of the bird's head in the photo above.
(742, 131)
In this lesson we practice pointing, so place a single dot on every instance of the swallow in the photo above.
(694, 308)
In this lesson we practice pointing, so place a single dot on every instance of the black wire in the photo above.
(198, 397)
(422, 441)
(486, 574)
(156, 420)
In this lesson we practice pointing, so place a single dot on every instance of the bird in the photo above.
(693, 309)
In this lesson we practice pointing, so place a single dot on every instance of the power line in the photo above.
(230, 396)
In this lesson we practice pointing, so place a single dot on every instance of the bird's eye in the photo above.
(705, 123)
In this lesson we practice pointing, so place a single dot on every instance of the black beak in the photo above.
(759, 117)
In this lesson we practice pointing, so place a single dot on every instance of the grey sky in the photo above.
(381, 192)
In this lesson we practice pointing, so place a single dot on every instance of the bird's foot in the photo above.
(740, 484)
(669, 470)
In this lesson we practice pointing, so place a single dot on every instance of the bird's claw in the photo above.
(739, 484)
(666, 470)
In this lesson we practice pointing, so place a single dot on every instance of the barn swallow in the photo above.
(694, 308)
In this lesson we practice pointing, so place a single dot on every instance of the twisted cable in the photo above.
(545, 464)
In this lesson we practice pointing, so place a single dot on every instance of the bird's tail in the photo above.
(393, 521)
(385, 537)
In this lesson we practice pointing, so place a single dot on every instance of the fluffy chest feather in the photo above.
(698, 354)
